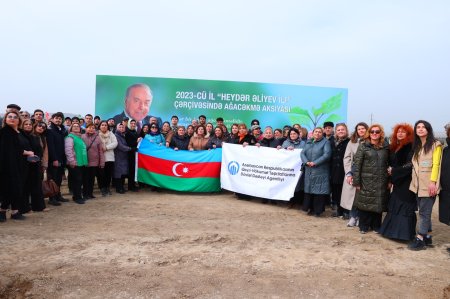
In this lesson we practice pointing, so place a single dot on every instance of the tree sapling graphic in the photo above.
(312, 119)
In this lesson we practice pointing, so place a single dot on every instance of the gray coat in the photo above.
(317, 178)
(121, 156)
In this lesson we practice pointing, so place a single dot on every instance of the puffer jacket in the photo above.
(317, 178)
(370, 174)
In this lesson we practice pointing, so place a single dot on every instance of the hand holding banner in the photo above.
(260, 171)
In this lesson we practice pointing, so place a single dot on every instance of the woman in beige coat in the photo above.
(348, 191)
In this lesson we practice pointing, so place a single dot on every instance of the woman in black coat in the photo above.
(244, 137)
(338, 148)
(400, 220)
(444, 195)
(33, 182)
(180, 141)
(12, 166)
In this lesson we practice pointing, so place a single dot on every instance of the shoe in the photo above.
(346, 216)
(417, 244)
(428, 240)
(109, 192)
(54, 202)
(120, 191)
(351, 222)
(2, 216)
(92, 196)
(335, 214)
(17, 216)
(357, 222)
(333, 207)
(62, 199)
(79, 201)
(361, 231)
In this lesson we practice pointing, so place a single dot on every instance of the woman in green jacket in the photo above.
(370, 177)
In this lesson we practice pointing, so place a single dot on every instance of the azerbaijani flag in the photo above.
(189, 171)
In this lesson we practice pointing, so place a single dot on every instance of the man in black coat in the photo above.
(138, 99)
(56, 155)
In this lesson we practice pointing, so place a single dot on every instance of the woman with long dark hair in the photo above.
(109, 142)
(233, 136)
(199, 141)
(144, 130)
(370, 177)
(33, 182)
(12, 166)
(426, 162)
(294, 141)
(400, 220)
(216, 140)
(348, 191)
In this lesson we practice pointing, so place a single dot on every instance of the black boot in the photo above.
(2, 216)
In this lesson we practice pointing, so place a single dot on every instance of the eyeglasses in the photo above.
(375, 132)
(153, 127)
(12, 117)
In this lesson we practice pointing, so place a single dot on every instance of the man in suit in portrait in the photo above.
(138, 99)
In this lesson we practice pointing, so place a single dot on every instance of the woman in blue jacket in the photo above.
(316, 158)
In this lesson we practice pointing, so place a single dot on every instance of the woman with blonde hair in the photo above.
(370, 178)
(400, 220)
(338, 148)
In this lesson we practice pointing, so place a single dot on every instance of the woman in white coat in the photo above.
(348, 191)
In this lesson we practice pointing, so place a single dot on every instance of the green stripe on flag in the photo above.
(179, 183)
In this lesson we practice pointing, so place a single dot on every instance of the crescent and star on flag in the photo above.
(175, 167)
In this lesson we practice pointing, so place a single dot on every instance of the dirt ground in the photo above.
(174, 245)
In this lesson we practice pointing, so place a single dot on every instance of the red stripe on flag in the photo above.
(179, 169)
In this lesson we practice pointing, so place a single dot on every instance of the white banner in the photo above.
(260, 171)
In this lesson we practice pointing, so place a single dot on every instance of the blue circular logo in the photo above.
(233, 167)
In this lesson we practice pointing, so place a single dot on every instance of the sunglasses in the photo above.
(12, 117)
(153, 127)
(42, 126)
(375, 132)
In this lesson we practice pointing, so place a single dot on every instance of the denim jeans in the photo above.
(425, 205)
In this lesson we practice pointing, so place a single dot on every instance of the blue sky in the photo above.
(393, 56)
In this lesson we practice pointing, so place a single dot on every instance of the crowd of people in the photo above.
(360, 175)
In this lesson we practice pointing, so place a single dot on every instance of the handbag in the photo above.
(49, 188)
